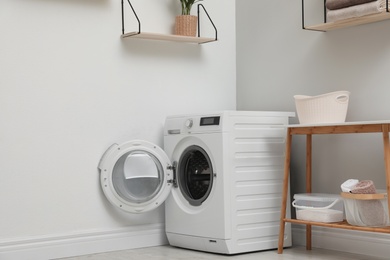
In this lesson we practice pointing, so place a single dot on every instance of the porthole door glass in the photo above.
(137, 176)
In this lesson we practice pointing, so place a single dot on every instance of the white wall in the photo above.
(69, 88)
(276, 59)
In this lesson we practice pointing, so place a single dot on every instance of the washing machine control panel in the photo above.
(193, 124)
(202, 122)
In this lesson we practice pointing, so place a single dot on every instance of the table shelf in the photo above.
(382, 127)
(342, 225)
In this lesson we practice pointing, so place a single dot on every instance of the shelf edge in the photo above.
(167, 37)
(349, 22)
(341, 225)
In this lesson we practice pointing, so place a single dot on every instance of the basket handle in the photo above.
(343, 98)
(308, 207)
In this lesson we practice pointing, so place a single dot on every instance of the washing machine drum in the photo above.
(195, 175)
(136, 176)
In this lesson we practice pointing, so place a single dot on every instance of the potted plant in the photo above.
(185, 24)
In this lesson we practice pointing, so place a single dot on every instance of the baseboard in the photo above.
(52, 247)
(357, 242)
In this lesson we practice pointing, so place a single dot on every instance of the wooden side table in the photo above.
(342, 128)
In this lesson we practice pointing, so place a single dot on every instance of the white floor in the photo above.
(172, 253)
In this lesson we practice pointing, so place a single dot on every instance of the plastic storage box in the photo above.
(319, 207)
(327, 108)
(367, 210)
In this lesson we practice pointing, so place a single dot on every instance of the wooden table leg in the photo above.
(285, 191)
(385, 130)
(308, 183)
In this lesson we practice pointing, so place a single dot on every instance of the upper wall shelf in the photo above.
(167, 37)
(324, 27)
(328, 26)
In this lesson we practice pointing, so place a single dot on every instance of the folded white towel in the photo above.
(356, 11)
(348, 185)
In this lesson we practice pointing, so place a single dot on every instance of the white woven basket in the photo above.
(327, 108)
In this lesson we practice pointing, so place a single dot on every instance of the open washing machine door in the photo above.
(136, 176)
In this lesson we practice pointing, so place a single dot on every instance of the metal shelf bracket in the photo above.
(211, 21)
(123, 17)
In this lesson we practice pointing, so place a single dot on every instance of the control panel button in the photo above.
(189, 123)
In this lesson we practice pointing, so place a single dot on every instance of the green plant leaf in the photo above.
(186, 6)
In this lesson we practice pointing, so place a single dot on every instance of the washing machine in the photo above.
(220, 175)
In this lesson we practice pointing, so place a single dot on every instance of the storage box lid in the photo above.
(316, 196)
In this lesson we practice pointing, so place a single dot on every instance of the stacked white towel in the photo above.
(353, 8)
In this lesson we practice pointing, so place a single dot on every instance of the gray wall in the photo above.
(276, 59)
(69, 88)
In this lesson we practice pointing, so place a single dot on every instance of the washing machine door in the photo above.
(136, 176)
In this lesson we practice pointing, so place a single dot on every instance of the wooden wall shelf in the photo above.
(324, 27)
(328, 26)
(167, 37)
